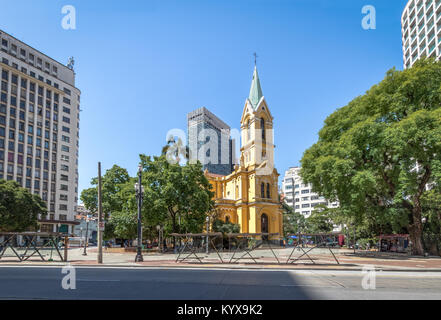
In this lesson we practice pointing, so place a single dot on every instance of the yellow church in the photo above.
(249, 195)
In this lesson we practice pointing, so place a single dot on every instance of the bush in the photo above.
(225, 227)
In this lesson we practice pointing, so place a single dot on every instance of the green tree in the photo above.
(367, 151)
(19, 209)
(293, 222)
(124, 225)
(112, 183)
(321, 220)
(176, 193)
(113, 199)
(431, 206)
(89, 197)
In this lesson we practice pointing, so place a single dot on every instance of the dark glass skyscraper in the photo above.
(210, 142)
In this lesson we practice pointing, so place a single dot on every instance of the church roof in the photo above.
(256, 90)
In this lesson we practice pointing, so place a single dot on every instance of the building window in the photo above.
(262, 127)
(268, 193)
(262, 190)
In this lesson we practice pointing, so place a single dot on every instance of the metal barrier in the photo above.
(241, 245)
(250, 242)
(194, 242)
(31, 246)
(319, 240)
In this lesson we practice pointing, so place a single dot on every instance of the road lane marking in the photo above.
(307, 285)
(90, 280)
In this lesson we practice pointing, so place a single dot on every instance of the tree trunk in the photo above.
(416, 230)
(174, 230)
(439, 219)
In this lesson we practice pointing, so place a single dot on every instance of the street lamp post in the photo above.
(86, 240)
(298, 231)
(354, 237)
(423, 221)
(139, 195)
(208, 226)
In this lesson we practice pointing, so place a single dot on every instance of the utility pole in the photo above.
(100, 218)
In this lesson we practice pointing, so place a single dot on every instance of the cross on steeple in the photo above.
(255, 58)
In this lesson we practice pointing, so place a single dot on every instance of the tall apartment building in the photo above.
(210, 142)
(421, 30)
(299, 195)
(39, 129)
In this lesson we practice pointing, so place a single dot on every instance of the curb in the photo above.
(271, 267)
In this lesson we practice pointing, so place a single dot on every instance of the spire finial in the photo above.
(256, 90)
(255, 58)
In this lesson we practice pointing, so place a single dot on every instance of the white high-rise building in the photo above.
(39, 129)
(299, 195)
(421, 30)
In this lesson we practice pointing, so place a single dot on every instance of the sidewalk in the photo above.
(265, 260)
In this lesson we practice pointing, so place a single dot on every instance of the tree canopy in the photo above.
(19, 209)
(293, 222)
(377, 154)
(176, 197)
(176, 193)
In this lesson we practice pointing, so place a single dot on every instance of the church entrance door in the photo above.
(264, 225)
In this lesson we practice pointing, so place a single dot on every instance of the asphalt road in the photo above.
(177, 284)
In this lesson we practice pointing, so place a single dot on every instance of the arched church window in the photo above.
(262, 190)
(248, 130)
(268, 193)
(262, 127)
(227, 219)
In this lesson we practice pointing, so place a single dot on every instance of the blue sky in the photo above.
(143, 65)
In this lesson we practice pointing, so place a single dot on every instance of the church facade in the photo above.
(249, 195)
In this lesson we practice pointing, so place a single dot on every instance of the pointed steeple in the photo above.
(256, 90)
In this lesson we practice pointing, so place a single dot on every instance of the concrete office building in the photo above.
(421, 30)
(299, 195)
(39, 129)
(210, 142)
